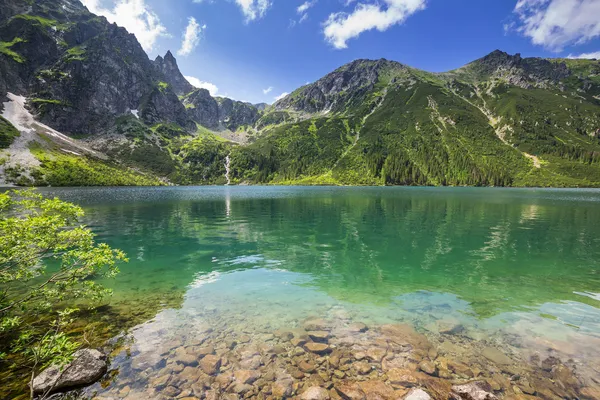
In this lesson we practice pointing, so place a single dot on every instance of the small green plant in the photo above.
(5, 48)
(46, 259)
(163, 86)
(8, 133)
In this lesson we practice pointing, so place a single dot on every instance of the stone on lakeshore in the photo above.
(160, 381)
(210, 364)
(363, 368)
(357, 327)
(306, 367)
(401, 377)
(317, 348)
(246, 376)
(417, 394)
(148, 360)
(189, 374)
(242, 388)
(296, 373)
(448, 327)
(281, 388)
(298, 341)
(187, 360)
(251, 363)
(479, 390)
(284, 335)
(404, 335)
(87, 367)
(224, 379)
(376, 389)
(428, 367)
(204, 351)
(316, 325)
(244, 339)
(171, 391)
(496, 356)
(319, 336)
(315, 393)
(350, 391)
(375, 354)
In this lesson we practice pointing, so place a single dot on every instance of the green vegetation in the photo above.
(59, 169)
(5, 48)
(76, 53)
(8, 133)
(162, 86)
(47, 101)
(47, 261)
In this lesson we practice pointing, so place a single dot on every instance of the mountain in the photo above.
(168, 67)
(82, 104)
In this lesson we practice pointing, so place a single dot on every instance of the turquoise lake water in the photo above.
(518, 267)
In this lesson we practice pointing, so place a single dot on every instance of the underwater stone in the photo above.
(479, 390)
(317, 348)
(417, 394)
(210, 364)
(496, 356)
(315, 393)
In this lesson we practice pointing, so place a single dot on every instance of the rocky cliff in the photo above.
(168, 67)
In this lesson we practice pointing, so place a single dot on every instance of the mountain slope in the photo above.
(93, 100)
(501, 120)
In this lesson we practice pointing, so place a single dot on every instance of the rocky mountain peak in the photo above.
(167, 66)
(335, 89)
(519, 71)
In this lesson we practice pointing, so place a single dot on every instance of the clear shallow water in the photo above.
(517, 269)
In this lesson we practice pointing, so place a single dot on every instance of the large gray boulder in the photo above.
(87, 367)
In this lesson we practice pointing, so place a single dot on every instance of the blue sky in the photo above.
(256, 50)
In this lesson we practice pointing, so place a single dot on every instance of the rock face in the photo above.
(518, 71)
(82, 71)
(219, 112)
(337, 90)
(234, 114)
(167, 66)
(87, 367)
(202, 108)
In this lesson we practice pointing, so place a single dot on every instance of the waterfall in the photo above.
(227, 163)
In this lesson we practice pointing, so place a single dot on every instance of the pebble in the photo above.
(318, 348)
(315, 393)
(210, 364)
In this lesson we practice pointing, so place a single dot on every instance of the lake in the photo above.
(251, 292)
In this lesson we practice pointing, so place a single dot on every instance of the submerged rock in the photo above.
(496, 356)
(315, 393)
(417, 394)
(318, 348)
(87, 367)
(210, 364)
(479, 390)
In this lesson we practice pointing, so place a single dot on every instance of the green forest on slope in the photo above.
(502, 120)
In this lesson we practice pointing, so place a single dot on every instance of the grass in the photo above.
(8, 133)
(5, 48)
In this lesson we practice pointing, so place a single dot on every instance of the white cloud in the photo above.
(191, 37)
(595, 55)
(305, 6)
(281, 96)
(268, 90)
(253, 9)
(341, 27)
(133, 15)
(555, 24)
(211, 87)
